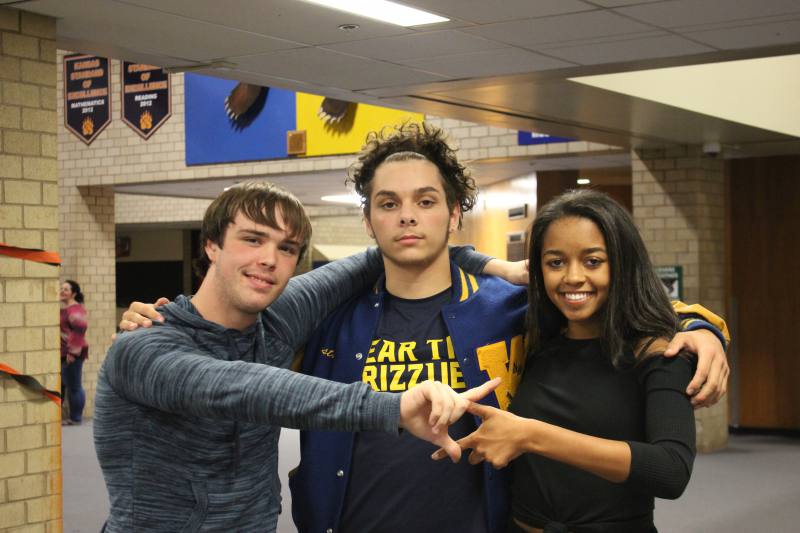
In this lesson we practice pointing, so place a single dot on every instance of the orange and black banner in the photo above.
(31, 254)
(30, 382)
(146, 98)
(87, 102)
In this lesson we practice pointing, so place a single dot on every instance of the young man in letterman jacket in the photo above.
(426, 319)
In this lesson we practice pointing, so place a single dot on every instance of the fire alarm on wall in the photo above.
(296, 142)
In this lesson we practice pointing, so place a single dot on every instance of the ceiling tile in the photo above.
(750, 35)
(138, 29)
(532, 33)
(488, 63)
(419, 45)
(695, 12)
(483, 12)
(329, 68)
(285, 19)
(629, 50)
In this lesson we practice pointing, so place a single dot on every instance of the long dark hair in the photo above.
(637, 310)
(76, 290)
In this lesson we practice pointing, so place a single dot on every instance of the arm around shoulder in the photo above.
(309, 298)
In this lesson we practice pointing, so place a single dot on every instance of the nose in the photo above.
(574, 274)
(407, 217)
(268, 256)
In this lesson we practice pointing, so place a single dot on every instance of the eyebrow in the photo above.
(585, 251)
(264, 234)
(421, 190)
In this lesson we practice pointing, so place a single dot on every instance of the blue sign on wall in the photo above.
(527, 137)
(211, 137)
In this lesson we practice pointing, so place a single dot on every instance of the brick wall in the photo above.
(30, 430)
(141, 209)
(679, 206)
(338, 225)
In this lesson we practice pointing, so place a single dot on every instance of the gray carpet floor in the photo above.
(753, 485)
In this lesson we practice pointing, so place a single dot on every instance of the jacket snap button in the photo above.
(377, 304)
(329, 530)
(340, 473)
(359, 355)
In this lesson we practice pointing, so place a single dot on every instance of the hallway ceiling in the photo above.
(507, 63)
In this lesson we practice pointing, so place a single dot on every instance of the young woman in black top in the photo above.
(599, 425)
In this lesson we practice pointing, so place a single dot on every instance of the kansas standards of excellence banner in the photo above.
(146, 98)
(87, 106)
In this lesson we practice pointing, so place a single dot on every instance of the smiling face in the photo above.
(248, 271)
(408, 215)
(576, 274)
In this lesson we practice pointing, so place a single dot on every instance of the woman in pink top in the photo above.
(74, 349)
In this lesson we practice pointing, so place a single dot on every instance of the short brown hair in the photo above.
(414, 141)
(258, 201)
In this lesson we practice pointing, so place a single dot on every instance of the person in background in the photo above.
(74, 349)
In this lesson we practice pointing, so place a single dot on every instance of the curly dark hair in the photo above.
(413, 141)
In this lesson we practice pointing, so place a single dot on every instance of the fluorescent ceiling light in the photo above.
(584, 181)
(384, 11)
(351, 198)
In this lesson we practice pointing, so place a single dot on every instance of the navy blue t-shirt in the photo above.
(394, 486)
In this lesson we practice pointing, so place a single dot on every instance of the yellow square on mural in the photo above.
(346, 136)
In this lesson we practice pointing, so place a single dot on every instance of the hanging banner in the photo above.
(146, 97)
(528, 137)
(87, 106)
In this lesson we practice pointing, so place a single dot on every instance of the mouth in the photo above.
(259, 281)
(576, 298)
(408, 238)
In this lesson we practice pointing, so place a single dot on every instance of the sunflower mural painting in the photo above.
(229, 121)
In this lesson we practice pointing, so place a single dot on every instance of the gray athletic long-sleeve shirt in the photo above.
(188, 413)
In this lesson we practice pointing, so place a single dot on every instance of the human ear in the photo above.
(212, 250)
(455, 218)
(368, 226)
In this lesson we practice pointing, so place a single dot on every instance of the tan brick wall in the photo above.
(338, 225)
(86, 244)
(30, 429)
(679, 206)
(145, 209)
(475, 142)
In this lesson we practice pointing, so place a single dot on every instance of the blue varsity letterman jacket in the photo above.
(485, 320)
